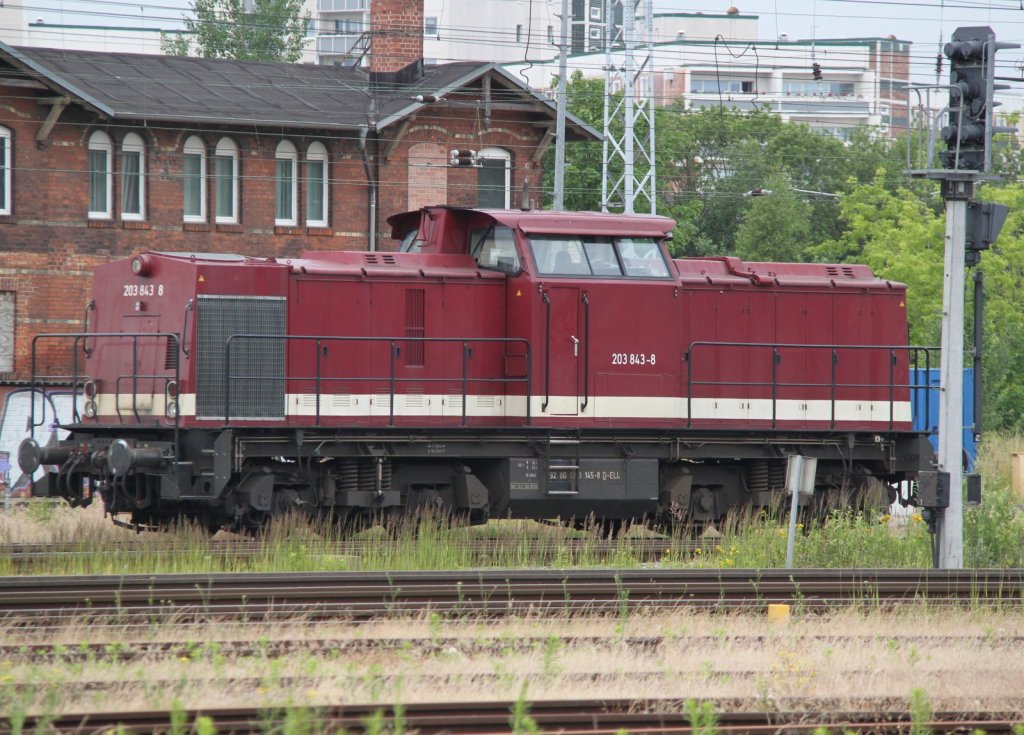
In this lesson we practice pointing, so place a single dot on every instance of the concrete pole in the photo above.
(563, 63)
(951, 383)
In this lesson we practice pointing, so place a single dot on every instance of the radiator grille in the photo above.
(260, 395)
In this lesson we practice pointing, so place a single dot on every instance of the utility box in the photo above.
(933, 489)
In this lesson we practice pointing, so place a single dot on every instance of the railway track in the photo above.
(638, 717)
(488, 592)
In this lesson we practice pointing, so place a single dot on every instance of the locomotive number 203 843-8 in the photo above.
(143, 289)
(633, 358)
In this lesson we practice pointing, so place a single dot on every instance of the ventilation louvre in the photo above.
(257, 365)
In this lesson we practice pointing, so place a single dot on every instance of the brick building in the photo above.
(106, 154)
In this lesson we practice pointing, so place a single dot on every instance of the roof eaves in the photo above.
(28, 64)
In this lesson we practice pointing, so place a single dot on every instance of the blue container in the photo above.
(925, 408)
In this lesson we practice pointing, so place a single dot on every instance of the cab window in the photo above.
(495, 248)
(561, 255)
(641, 256)
(601, 256)
(411, 242)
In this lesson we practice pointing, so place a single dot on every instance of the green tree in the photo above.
(247, 30)
(776, 226)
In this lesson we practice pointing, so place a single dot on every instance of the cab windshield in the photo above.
(620, 257)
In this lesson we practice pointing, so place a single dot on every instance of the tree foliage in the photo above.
(247, 30)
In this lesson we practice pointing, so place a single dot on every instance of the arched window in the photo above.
(494, 180)
(6, 164)
(316, 185)
(133, 178)
(285, 184)
(193, 179)
(225, 170)
(100, 175)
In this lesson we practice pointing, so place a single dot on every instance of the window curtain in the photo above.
(224, 170)
(193, 185)
(285, 185)
(131, 191)
(315, 191)
(98, 181)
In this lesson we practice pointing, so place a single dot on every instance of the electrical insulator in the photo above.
(816, 71)
(462, 157)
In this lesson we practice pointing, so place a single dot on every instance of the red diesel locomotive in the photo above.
(502, 363)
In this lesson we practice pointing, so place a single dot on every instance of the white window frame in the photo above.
(287, 153)
(318, 152)
(134, 145)
(227, 148)
(493, 153)
(100, 141)
(7, 199)
(428, 21)
(194, 146)
(8, 329)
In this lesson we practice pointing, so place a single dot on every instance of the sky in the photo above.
(927, 23)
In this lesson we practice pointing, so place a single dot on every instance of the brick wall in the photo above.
(396, 28)
(49, 246)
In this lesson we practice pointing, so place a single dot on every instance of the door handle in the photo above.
(575, 347)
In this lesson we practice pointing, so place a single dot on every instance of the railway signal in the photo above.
(968, 133)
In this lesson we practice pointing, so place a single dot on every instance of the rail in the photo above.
(774, 352)
(393, 380)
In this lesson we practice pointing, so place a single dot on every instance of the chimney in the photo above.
(396, 41)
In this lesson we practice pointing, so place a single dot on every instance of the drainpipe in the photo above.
(372, 181)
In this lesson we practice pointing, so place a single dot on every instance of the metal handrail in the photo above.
(776, 354)
(394, 350)
(79, 379)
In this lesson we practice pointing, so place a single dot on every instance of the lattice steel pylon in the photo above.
(628, 166)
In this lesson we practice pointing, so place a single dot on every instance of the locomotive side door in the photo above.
(563, 351)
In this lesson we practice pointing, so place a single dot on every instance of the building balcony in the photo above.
(340, 6)
(336, 44)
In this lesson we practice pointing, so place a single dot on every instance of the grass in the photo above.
(993, 537)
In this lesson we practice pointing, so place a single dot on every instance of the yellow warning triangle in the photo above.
(903, 303)
(202, 279)
(518, 292)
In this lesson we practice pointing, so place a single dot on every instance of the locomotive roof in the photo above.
(583, 223)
